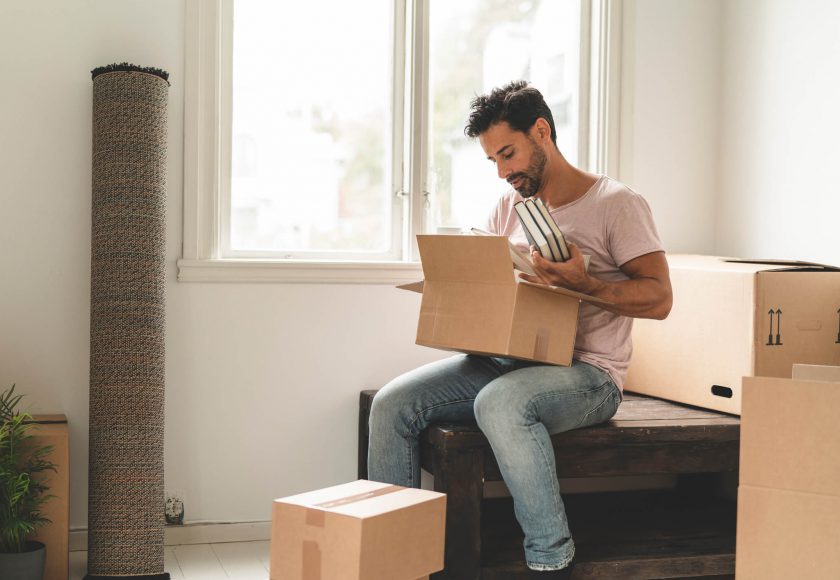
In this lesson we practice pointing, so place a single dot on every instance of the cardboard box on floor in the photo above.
(472, 302)
(52, 430)
(362, 530)
(735, 319)
(789, 497)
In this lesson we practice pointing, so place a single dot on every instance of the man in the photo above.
(520, 404)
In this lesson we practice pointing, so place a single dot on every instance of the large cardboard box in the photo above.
(735, 319)
(789, 496)
(474, 303)
(52, 430)
(362, 530)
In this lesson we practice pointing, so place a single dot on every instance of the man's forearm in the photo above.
(645, 294)
(639, 298)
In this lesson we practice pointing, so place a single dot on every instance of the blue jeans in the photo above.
(518, 405)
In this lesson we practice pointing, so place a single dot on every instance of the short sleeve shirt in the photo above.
(613, 224)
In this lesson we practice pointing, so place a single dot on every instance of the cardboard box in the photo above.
(789, 497)
(735, 319)
(52, 430)
(362, 530)
(816, 373)
(472, 302)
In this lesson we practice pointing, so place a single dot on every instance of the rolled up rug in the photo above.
(127, 324)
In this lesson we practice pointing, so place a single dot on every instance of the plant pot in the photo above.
(26, 565)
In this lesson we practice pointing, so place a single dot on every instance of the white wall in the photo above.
(779, 169)
(670, 104)
(262, 380)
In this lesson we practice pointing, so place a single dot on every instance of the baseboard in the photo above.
(197, 533)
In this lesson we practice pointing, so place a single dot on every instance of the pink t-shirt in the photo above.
(613, 224)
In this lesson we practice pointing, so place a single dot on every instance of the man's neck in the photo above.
(564, 183)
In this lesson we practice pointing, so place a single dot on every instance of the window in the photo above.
(323, 145)
(312, 104)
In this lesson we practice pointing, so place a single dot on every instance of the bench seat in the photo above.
(686, 532)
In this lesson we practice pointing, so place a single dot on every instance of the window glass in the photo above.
(312, 133)
(311, 127)
(476, 45)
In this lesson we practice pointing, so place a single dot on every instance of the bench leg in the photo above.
(460, 475)
(365, 401)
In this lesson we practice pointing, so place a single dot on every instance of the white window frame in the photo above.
(207, 132)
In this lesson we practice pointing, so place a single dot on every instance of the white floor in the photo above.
(225, 561)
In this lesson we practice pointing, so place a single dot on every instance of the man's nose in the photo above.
(502, 170)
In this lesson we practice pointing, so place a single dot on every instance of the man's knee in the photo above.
(391, 408)
(500, 405)
(383, 408)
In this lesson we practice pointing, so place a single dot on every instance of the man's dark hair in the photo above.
(516, 103)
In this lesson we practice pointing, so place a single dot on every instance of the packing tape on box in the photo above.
(318, 518)
(541, 344)
(358, 497)
(311, 560)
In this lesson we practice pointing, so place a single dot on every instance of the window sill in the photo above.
(298, 272)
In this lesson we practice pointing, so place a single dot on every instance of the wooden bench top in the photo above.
(639, 418)
(646, 436)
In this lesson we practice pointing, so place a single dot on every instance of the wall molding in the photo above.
(292, 271)
(195, 533)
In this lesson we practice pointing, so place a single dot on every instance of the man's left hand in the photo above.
(570, 274)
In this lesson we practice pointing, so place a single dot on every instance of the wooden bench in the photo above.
(685, 532)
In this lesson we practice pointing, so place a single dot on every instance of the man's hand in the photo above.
(570, 274)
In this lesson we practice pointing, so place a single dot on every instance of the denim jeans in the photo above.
(518, 405)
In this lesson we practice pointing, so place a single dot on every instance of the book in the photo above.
(520, 261)
(565, 254)
(553, 246)
(534, 233)
(541, 231)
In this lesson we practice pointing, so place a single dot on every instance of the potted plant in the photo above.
(23, 491)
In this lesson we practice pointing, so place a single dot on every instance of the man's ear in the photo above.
(543, 128)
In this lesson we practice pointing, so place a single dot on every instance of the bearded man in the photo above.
(519, 404)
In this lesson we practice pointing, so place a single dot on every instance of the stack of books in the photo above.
(541, 230)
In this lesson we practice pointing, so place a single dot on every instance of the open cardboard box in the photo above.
(473, 302)
(789, 496)
(363, 530)
(732, 319)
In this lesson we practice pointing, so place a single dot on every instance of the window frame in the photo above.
(207, 143)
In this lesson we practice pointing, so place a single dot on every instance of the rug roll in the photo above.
(127, 324)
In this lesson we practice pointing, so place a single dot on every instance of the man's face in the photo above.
(518, 157)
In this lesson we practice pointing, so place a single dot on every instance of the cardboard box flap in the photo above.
(412, 286)
(566, 292)
(747, 265)
(802, 372)
(483, 259)
(780, 265)
(702, 263)
(418, 287)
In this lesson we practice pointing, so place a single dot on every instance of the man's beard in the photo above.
(532, 177)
